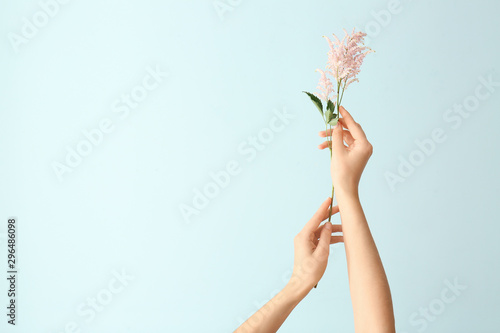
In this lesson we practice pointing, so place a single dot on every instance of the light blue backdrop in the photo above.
(103, 245)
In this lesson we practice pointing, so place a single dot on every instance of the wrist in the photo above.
(296, 289)
(343, 194)
(346, 199)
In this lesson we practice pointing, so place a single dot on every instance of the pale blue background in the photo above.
(119, 209)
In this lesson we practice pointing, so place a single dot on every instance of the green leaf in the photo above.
(334, 121)
(316, 102)
(330, 111)
(330, 106)
(328, 115)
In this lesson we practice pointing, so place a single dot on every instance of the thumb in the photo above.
(337, 138)
(323, 248)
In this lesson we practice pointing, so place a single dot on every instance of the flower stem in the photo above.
(340, 102)
(339, 84)
(331, 203)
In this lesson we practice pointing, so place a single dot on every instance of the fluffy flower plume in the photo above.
(344, 61)
(325, 87)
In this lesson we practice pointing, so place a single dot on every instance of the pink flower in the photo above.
(346, 57)
(325, 87)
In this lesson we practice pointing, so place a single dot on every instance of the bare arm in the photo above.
(271, 316)
(370, 293)
(312, 248)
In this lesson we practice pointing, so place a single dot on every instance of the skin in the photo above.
(312, 248)
(370, 293)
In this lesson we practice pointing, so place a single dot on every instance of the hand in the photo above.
(312, 248)
(348, 162)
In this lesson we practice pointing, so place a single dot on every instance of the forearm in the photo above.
(370, 293)
(272, 315)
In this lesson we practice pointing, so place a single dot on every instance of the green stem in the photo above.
(343, 89)
(339, 84)
(341, 96)
(331, 204)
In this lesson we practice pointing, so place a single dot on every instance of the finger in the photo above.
(324, 145)
(328, 132)
(336, 239)
(337, 140)
(317, 218)
(348, 138)
(335, 210)
(342, 122)
(323, 248)
(335, 228)
(348, 119)
(355, 129)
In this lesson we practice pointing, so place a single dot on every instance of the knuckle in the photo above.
(297, 238)
(370, 148)
(367, 147)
